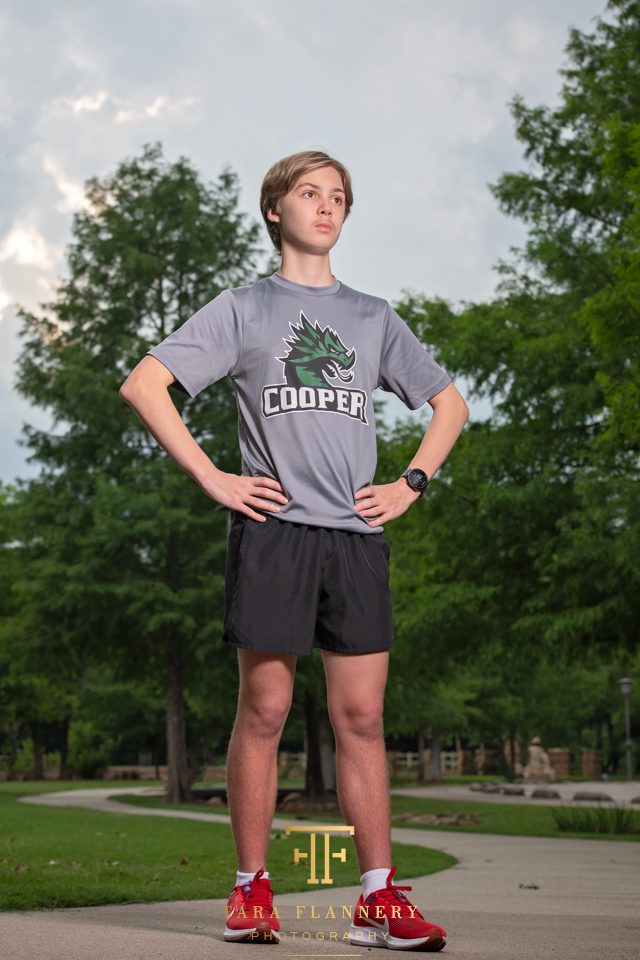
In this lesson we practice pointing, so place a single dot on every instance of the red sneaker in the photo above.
(249, 910)
(389, 919)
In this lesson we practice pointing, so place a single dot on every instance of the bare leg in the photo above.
(355, 698)
(264, 701)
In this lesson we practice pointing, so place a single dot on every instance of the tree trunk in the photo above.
(13, 751)
(435, 769)
(512, 749)
(314, 783)
(178, 775)
(613, 759)
(420, 777)
(37, 772)
(63, 773)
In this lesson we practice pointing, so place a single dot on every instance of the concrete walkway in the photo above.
(621, 793)
(509, 898)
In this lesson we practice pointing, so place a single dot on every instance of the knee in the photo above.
(264, 717)
(362, 720)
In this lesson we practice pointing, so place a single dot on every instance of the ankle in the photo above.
(244, 877)
(374, 880)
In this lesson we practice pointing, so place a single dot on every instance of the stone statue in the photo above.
(538, 769)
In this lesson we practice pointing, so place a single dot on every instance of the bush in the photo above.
(22, 766)
(89, 753)
(614, 819)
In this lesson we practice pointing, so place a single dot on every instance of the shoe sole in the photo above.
(357, 938)
(261, 933)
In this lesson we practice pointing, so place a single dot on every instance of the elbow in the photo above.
(464, 407)
(125, 390)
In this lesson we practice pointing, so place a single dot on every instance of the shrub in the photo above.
(22, 766)
(89, 752)
(615, 819)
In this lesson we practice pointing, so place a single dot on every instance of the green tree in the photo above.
(581, 203)
(130, 550)
(524, 548)
(551, 478)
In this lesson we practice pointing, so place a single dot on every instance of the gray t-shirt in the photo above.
(304, 362)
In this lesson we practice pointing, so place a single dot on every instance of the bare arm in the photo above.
(146, 390)
(382, 502)
(450, 413)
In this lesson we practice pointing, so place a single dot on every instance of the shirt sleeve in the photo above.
(406, 368)
(206, 347)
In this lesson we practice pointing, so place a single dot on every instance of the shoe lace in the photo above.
(393, 893)
(257, 892)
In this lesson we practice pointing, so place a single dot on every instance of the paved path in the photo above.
(621, 793)
(509, 898)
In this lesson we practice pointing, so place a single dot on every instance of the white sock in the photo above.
(248, 877)
(374, 880)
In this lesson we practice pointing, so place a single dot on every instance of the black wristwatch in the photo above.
(417, 479)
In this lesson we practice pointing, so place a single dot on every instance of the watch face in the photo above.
(417, 478)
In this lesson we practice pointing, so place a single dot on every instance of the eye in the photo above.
(339, 199)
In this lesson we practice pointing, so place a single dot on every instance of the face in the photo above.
(312, 213)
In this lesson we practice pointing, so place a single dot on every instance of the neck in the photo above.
(305, 268)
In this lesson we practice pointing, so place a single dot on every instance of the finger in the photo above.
(268, 482)
(272, 489)
(378, 520)
(264, 504)
(272, 495)
(248, 512)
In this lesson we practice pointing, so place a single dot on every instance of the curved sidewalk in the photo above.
(621, 792)
(509, 898)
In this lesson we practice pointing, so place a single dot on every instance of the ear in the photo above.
(273, 215)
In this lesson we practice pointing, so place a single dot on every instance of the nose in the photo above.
(324, 206)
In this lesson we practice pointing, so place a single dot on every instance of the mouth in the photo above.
(334, 371)
(324, 226)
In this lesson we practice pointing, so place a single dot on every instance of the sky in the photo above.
(411, 95)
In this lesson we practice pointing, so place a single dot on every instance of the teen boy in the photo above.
(307, 565)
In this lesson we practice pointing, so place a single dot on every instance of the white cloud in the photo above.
(161, 106)
(121, 109)
(73, 197)
(27, 247)
(88, 102)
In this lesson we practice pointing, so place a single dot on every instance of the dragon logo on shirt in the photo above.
(316, 354)
(316, 357)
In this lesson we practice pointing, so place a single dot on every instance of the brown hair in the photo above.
(280, 178)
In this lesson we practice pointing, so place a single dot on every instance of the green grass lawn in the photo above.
(72, 857)
(507, 819)
(514, 819)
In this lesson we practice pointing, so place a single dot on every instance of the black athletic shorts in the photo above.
(290, 587)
